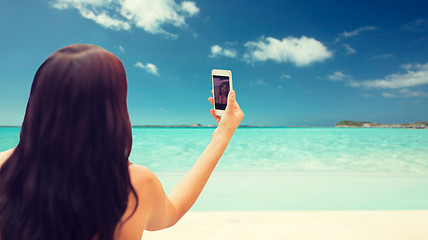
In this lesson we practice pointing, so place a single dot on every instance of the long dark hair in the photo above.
(68, 177)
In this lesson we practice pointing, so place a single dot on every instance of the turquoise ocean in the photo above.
(291, 168)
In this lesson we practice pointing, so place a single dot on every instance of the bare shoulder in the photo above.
(139, 171)
(147, 185)
(5, 155)
(142, 176)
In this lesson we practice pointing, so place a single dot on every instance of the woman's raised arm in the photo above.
(167, 211)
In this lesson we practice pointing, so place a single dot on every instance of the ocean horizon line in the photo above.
(341, 124)
(202, 126)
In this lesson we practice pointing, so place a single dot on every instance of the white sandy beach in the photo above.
(272, 225)
(307, 206)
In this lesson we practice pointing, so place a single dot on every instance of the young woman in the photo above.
(70, 177)
(221, 101)
(224, 90)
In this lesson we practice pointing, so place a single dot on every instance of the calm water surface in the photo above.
(360, 150)
(291, 168)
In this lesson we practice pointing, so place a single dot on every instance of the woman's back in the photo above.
(132, 223)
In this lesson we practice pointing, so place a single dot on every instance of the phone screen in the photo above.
(221, 91)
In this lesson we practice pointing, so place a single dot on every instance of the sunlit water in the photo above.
(288, 149)
(291, 168)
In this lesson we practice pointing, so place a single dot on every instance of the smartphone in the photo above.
(222, 84)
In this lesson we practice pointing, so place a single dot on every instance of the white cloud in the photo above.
(105, 20)
(415, 75)
(230, 43)
(121, 49)
(259, 82)
(285, 76)
(404, 93)
(64, 4)
(419, 40)
(190, 8)
(357, 31)
(407, 66)
(419, 25)
(217, 50)
(122, 14)
(383, 56)
(338, 76)
(349, 49)
(300, 51)
(388, 95)
(354, 33)
(149, 67)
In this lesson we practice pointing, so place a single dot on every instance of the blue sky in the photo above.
(308, 63)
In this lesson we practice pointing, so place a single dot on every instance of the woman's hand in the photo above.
(232, 116)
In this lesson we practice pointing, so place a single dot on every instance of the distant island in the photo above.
(354, 124)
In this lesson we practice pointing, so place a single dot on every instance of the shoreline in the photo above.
(302, 173)
(304, 225)
(283, 191)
